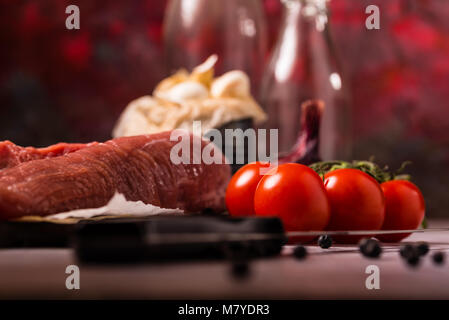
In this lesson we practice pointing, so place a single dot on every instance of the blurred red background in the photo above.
(64, 85)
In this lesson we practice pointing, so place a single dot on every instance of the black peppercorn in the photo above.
(422, 248)
(370, 248)
(300, 252)
(407, 250)
(438, 257)
(325, 241)
(412, 253)
(413, 260)
(240, 269)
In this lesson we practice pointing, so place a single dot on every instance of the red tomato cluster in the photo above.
(347, 199)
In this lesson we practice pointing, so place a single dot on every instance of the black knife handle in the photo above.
(177, 237)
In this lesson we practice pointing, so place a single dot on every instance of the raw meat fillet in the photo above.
(12, 155)
(138, 167)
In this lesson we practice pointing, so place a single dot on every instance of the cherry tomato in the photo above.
(294, 193)
(404, 209)
(356, 200)
(241, 189)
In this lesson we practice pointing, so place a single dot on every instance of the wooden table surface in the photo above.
(336, 273)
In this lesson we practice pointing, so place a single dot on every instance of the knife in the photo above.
(189, 237)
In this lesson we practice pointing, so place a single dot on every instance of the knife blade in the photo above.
(155, 238)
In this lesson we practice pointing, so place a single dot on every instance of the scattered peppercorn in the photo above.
(240, 269)
(413, 260)
(407, 250)
(438, 257)
(300, 252)
(412, 253)
(422, 248)
(325, 241)
(370, 248)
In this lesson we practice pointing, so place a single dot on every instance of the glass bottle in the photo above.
(304, 66)
(233, 29)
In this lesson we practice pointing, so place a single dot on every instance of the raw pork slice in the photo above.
(138, 167)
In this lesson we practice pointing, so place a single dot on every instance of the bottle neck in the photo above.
(312, 10)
